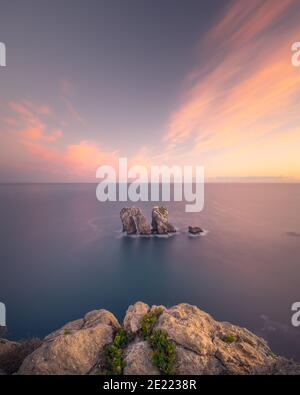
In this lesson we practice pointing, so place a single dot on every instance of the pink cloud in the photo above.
(250, 94)
(31, 131)
(31, 126)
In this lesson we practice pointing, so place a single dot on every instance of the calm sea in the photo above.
(62, 255)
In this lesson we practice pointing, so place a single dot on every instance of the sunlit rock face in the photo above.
(75, 349)
(160, 222)
(134, 222)
(204, 346)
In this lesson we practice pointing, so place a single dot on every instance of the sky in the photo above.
(173, 82)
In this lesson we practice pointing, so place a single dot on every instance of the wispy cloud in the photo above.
(245, 92)
(31, 130)
(67, 91)
(238, 116)
(31, 125)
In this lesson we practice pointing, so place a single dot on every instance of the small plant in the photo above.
(164, 349)
(122, 338)
(114, 353)
(148, 322)
(229, 339)
(114, 360)
(164, 352)
(67, 332)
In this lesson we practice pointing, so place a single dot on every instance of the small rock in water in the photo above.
(195, 230)
(160, 222)
(134, 222)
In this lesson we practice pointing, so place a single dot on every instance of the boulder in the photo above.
(8, 350)
(206, 346)
(134, 222)
(7, 346)
(281, 367)
(74, 349)
(12, 354)
(134, 316)
(203, 346)
(195, 230)
(160, 223)
(138, 360)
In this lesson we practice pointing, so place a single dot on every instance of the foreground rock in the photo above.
(134, 315)
(206, 346)
(195, 230)
(75, 348)
(138, 359)
(134, 222)
(160, 222)
(7, 346)
(7, 350)
(12, 354)
(203, 345)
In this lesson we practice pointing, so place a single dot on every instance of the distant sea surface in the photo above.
(62, 254)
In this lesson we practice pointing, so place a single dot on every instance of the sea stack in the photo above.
(134, 222)
(160, 223)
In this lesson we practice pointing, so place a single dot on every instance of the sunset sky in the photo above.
(172, 82)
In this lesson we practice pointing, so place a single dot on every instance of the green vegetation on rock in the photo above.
(114, 353)
(164, 349)
(148, 322)
(164, 352)
(229, 339)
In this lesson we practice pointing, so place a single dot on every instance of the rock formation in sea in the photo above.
(187, 340)
(195, 230)
(160, 222)
(134, 222)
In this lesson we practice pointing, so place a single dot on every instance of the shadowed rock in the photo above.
(134, 222)
(12, 354)
(160, 223)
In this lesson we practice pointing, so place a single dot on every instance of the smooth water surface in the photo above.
(62, 254)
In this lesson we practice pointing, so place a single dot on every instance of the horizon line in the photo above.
(96, 183)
